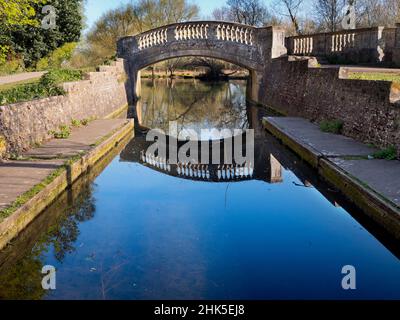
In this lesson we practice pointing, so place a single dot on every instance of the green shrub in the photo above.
(76, 123)
(63, 133)
(59, 76)
(331, 126)
(11, 66)
(48, 85)
(42, 64)
(57, 58)
(389, 153)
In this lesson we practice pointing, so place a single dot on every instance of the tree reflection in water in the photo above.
(20, 276)
(218, 104)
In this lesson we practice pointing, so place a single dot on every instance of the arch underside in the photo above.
(141, 60)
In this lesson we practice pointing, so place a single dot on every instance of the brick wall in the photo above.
(370, 110)
(25, 124)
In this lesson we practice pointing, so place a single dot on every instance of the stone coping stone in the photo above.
(327, 144)
(18, 177)
(383, 176)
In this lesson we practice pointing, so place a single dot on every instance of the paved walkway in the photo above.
(80, 140)
(382, 176)
(18, 177)
(20, 77)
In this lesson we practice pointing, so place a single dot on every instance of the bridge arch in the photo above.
(246, 46)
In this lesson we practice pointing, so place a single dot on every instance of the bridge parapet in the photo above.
(201, 30)
(358, 45)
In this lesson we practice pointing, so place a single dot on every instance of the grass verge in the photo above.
(392, 77)
(47, 86)
(12, 85)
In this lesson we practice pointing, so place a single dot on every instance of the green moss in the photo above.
(331, 126)
(355, 158)
(76, 123)
(3, 145)
(63, 133)
(392, 77)
(389, 153)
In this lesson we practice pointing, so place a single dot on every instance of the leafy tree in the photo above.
(15, 13)
(33, 42)
(134, 18)
(18, 12)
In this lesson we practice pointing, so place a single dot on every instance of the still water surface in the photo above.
(129, 230)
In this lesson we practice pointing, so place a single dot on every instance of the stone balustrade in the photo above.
(202, 30)
(359, 45)
(152, 38)
(191, 31)
(226, 32)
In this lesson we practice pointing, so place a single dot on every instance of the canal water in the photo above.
(134, 228)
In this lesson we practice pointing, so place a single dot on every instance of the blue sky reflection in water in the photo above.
(138, 233)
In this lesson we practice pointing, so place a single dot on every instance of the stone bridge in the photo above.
(249, 47)
(255, 49)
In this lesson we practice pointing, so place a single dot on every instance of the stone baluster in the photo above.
(206, 31)
(241, 35)
(219, 36)
(302, 46)
(228, 33)
(237, 34)
(334, 43)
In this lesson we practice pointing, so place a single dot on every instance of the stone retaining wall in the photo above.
(370, 110)
(23, 125)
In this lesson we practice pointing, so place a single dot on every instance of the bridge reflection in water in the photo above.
(196, 105)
